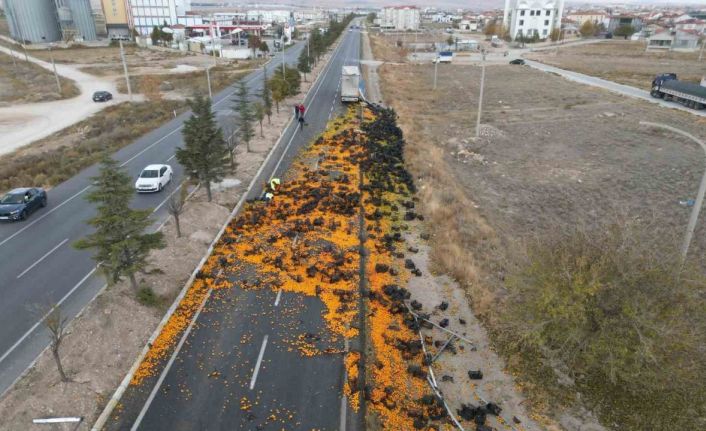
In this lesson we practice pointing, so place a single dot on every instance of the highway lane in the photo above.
(38, 265)
(237, 368)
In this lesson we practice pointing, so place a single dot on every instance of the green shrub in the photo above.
(613, 309)
(147, 297)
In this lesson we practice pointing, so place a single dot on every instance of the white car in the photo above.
(154, 178)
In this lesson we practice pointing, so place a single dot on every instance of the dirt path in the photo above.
(24, 124)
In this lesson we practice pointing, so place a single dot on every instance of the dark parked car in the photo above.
(102, 96)
(20, 203)
(517, 61)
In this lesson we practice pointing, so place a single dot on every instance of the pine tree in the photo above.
(204, 154)
(266, 95)
(120, 242)
(245, 118)
(304, 65)
(280, 89)
(259, 115)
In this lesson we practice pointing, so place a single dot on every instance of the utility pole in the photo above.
(127, 76)
(701, 54)
(693, 218)
(208, 80)
(12, 54)
(480, 97)
(282, 45)
(53, 65)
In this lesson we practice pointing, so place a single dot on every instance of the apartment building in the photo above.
(529, 18)
(146, 14)
(400, 18)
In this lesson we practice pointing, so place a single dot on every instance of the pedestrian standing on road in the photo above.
(296, 110)
(301, 122)
(301, 109)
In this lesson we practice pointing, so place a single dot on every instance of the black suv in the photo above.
(102, 96)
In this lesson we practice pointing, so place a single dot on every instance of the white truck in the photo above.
(350, 83)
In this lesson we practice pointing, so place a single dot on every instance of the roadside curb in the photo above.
(117, 395)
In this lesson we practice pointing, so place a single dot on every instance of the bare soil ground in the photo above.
(184, 85)
(545, 159)
(103, 342)
(625, 62)
(26, 82)
(385, 48)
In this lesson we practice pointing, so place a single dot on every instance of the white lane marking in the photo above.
(259, 362)
(39, 322)
(36, 262)
(169, 364)
(279, 296)
(44, 215)
(63, 299)
(344, 410)
(167, 198)
(172, 157)
(122, 165)
(321, 78)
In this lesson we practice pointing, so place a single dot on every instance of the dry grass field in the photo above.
(546, 162)
(25, 82)
(625, 62)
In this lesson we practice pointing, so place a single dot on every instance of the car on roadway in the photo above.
(19, 203)
(517, 61)
(154, 178)
(102, 96)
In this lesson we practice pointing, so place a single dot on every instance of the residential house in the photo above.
(673, 40)
(693, 24)
(621, 20)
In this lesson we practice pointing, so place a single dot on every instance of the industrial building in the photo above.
(145, 14)
(38, 21)
(117, 18)
(532, 18)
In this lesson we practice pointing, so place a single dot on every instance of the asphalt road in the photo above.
(237, 368)
(38, 265)
(624, 90)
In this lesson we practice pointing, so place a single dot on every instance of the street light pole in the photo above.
(702, 187)
(53, 65)
(127, 76)
(480, 96)
(208, 80)
(282, 45)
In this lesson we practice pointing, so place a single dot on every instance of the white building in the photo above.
(532, 17)
(268, 16)
(401, 18)
(149, 13)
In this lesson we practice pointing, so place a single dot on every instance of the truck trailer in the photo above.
(666, 86)
(350, 83)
